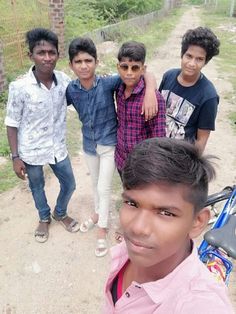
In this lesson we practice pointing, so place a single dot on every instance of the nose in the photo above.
(83, 64)
(129, 71)
(141, 223)
(47, 56)
(193, 62)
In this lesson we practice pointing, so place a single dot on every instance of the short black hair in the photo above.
(202, 37)
(82, 44)
(34, 36)
(171, 161)
(133, 50)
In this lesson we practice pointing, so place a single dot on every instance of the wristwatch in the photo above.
(14, 156)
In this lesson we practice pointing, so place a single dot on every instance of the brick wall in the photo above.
(2, 73)
(57, 22)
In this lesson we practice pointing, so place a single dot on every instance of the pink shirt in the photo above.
(189, 289)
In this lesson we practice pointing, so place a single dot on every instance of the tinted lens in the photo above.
(125, 67)
(135, 68)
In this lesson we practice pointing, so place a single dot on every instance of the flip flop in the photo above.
(87, 225)
(101, 248)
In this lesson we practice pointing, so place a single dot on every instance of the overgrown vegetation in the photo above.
(86, 15)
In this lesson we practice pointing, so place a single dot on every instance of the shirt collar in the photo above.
(37, 81)
(95, 83)
(137, 88)
(156, 290)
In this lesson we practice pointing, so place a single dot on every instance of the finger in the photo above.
(20, 175)
(142, 110)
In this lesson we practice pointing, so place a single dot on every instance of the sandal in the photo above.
(40, 235)
(119, 237)
(87, 225)
(72, 226)
(101, 248)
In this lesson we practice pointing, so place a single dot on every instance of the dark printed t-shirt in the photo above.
(188, 108)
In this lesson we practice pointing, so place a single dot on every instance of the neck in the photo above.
(128, 91)
(186, 80)
(45, 78)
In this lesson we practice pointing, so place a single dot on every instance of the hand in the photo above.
(19, 168)
(150, 105)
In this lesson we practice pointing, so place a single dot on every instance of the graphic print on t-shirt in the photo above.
(178, 113)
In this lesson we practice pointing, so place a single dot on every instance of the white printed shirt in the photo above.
(39, 114)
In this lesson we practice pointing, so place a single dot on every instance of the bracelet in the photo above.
(13, 157)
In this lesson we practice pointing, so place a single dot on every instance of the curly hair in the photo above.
(203, 37)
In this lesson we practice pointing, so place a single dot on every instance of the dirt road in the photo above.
(63, 275)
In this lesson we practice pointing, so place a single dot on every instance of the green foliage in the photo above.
(116, 10)
(81, 17)
(194, 2)
(4, 147)
(85, 15)
(8, 178)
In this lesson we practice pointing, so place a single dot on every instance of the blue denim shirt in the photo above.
(96, 110)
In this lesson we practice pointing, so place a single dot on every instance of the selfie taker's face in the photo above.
(158, 223)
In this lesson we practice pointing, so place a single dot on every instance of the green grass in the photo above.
(8, 179)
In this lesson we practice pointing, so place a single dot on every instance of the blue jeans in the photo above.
(64, 173)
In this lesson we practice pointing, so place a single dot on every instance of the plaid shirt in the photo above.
(132, 127)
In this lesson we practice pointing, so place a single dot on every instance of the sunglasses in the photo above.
(134, 68)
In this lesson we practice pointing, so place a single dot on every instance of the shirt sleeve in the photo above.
(114, 81)
(157, 126)
(68, 96)
(207, 115)
(162, 83)
(15, 106)
(205, 304)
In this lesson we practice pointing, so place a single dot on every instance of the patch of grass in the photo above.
(233, 120)
(8, 179)
(225, 29)
(73, 139)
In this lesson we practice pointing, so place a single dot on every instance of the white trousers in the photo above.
(101, 168)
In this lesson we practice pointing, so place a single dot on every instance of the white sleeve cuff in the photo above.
(10, 122)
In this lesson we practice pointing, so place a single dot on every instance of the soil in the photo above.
(63, 275)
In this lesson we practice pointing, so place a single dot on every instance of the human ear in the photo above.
(200, 222)
(30, 54)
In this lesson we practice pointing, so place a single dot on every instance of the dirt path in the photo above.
(63, 276)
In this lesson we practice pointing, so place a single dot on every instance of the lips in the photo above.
(137, 245)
